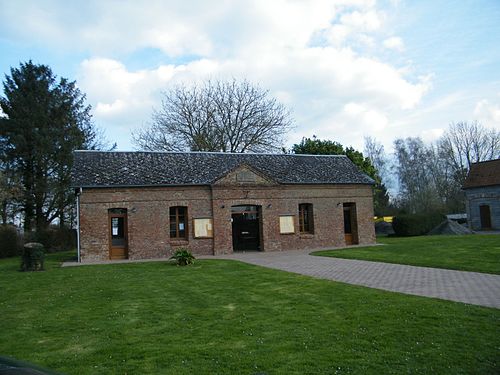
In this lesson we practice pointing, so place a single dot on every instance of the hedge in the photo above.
(416, 224)
(10, 243)
(54, 239)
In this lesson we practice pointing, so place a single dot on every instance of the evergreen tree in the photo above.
(44, 120)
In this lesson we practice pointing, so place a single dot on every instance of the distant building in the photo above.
(482, 191)
(141, 205)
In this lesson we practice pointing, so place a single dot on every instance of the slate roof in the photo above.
(486, 173)
(108, 169)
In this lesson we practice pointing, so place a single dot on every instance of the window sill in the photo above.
(306, 235)
(178, 242)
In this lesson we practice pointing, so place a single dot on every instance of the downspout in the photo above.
(78, 192)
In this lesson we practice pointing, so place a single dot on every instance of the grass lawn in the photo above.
(479, 253)
(226, 317)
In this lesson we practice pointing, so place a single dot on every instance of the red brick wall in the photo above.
(284, 200)
(148, 216)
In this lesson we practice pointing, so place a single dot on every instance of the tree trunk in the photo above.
(4, 212)
(28, 213)
(62, 219)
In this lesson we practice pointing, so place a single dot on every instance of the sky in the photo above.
(346, 69)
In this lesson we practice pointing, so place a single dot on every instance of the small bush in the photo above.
(54, 238)
(9, 241)
(33, 257)
(183, 257)
(416, 224)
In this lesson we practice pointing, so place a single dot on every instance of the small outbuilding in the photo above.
(482, 192)
(140, 205)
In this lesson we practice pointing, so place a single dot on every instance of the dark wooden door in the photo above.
(484, 213)
(350, 224)
(246, 228)
(118, 246)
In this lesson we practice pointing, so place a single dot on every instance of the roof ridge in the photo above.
(203, 153)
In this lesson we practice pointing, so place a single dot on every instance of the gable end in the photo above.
(244, 175)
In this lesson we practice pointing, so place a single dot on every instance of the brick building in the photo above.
(482, 193)
(141, 205)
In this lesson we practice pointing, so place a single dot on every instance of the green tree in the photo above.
(44, 120)
(315, 146)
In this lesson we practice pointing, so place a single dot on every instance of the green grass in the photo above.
(479, 253)
(226, 317)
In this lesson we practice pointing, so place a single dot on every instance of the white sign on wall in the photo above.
(287, 224)
(203, 228)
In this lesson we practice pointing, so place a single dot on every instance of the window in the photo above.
(287, 224)
(306, 218)
(178, 222)
(203, 228)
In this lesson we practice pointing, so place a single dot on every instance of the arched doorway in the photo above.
(246, 227)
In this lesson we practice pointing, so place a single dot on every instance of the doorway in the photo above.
(246, 227)
(350, 224)
(118, 236)
(485, 215)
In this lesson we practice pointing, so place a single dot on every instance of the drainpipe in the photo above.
(78, 192)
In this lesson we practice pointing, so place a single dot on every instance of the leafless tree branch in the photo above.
(228, 116)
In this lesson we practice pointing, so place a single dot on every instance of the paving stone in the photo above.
(468, 287)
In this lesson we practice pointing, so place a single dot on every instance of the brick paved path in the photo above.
(469, 287)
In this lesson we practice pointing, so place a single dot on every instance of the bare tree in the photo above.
(466, 143)
(417, 186)
(374, 151)
(431, 176)
(228, 116)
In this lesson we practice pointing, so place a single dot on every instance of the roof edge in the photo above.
(486, 161)
(210, 185)
(479, 186)
(202, 152)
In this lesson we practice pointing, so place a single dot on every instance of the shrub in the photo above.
(9, 241)
(33, 257)
(416, 224)
(54, 238)
(183, 257)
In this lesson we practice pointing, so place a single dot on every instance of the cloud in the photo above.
(177, 28)
(109, 109)
(362, 21)
(116, 27)
(395, 43)
(431, 135)
(354, 26)
(366, 117)
(313, 55)
(316, 83)
(123, 100)
(488, 113)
